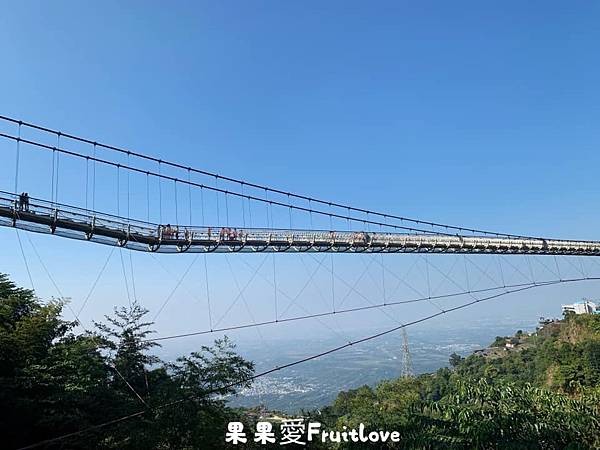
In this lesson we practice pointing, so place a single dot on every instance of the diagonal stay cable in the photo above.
(125, 276)
(383, 311)
(78, 321)
(293, 301)
(290, 364)
(357, 280)
(539, 261)
(319, 291)
(241, 292)
(363, 308)
(135, 297)
(317, 287)
(454, 282)
(25, 259)
(338, 333)
(431, 302)
(51, 278)
(173, 277)
(484, 272)
(371, 276)
(175, 288)
(446, 274)
(279, 319)
(574, 266)
(402, 280)
(91, 291)
(248, 309)
(302, 289)
(189, 291)
(341, 279)
(516, 269)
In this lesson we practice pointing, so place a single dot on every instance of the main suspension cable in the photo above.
(218, 190)
(255, 185)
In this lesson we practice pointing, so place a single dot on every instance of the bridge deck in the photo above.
(77, 223)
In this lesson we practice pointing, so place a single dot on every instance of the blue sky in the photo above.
(469, 113)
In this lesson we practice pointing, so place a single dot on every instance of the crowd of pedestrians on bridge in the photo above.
(169, 232)
(173, 232)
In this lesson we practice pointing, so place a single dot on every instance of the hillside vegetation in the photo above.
(543, 394)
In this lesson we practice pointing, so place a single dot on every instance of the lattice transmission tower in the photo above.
(407, 367)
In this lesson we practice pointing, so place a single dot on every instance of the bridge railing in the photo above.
(93, 219)
(45, 215)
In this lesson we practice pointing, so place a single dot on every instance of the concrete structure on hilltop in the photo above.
(582, 307)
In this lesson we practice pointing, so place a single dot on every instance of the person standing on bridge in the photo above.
(168, 231)
(24, 201)
(21, 201)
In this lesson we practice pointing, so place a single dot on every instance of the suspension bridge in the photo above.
(131, 200)
(155, 206)
(76, 222)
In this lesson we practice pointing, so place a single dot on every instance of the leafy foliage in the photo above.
(545, 395)
(54, 381)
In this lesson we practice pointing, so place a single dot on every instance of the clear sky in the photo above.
(472, 113)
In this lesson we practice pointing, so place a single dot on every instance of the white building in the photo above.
(582, 307)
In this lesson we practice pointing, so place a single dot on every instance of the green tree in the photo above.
(184, 401)
(50, 379)
(56, 381)
(455, 359)
(545, 396)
